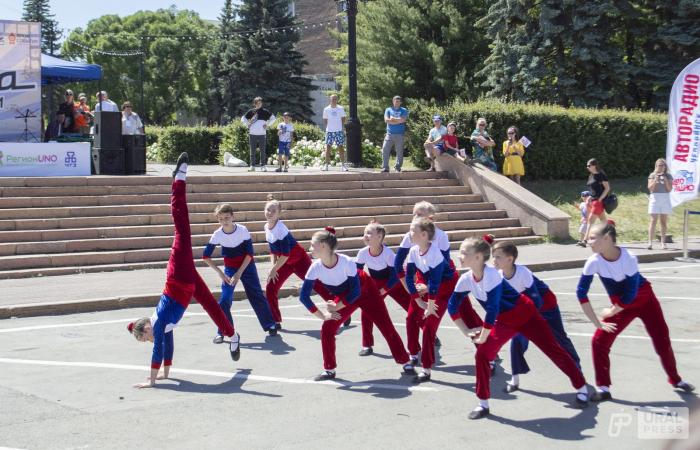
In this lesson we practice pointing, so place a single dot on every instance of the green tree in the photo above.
(174, 45)
(40, 11)
(264, 61)
(557, 51)
(220, 60)
(423, 49)
(663, 38)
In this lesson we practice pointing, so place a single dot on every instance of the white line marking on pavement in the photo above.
(661, 297)
(227, 375)
(298, 319)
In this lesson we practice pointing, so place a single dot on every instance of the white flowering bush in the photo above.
(308, 153)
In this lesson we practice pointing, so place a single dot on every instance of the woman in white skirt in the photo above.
(659, 184)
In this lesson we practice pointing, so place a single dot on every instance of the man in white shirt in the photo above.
(257, 119)
(104, 103)
(131, 123)
(334, 122)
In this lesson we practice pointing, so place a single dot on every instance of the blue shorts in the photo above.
(283, 148)
(335, 137)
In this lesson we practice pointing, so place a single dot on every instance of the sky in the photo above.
(71, 14)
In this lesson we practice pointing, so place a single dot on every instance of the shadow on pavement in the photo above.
(232, 386)
(274, 344)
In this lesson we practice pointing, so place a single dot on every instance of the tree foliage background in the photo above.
(176, 76)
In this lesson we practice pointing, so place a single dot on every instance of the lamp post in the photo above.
(353, 126)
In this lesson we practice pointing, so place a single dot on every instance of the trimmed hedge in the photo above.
(235, 139)
(626, 143)
(201, 143)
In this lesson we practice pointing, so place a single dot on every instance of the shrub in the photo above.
(626, 143)
(235, 139)
(201, 143)
(309, 153)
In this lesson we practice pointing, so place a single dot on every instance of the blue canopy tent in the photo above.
(60, 71)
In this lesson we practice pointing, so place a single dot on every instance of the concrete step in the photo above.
(201, 235)
(107, 232)
(86, 258)
(221, 197)
(123, 210)
(66, 270)
(257, 177)
(65, 191)
(241, 216)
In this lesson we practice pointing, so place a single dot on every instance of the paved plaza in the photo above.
(65, 383)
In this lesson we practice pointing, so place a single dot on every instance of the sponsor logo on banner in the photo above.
(59, 159)
(71, 160)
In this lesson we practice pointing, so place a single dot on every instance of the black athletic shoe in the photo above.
(601, 396)
(347, 322)
(218, 339)
(183, 159)
(325, 375)
(510, 388)
(437, 342)
(235, 347)
(413, 361)
(278, 326)
(409, 369)
(272, 331)
(421, 378)
(366, 351)
(478, 413)
(687, 387)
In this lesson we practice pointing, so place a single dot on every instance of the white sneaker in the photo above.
(343, 167)
(264, 168)
(251, 169)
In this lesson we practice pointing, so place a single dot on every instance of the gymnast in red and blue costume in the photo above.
(525, 282)
(379, 261)
(507, 313)
(237, 250)
(182, 283)
(632, 297)
(287, 257)
(351, 289)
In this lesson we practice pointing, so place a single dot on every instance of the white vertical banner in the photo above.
(20, 81)
(683, 142)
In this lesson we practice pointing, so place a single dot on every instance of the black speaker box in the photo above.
(108, 161)
(134, 154)
(108, 129)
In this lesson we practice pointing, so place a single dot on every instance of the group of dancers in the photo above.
(423, 280)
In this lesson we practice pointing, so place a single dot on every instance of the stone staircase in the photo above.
(56, 226)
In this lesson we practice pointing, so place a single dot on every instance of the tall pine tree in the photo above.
(265, 62)
(221, 58)
(39, 11)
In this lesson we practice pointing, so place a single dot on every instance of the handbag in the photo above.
(610, 203)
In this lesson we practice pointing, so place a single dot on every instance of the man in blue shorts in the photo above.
(334, 122)
(285, 131)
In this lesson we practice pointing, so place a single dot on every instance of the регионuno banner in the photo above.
(44, 160)
(20, 81)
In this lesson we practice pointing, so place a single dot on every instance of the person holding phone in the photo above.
(660, 183)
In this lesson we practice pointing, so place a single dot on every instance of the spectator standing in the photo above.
(395, 118)
(513, 152)
(131, 123)
(285, 131)
(599, 187)
(483, 145)
(84, 116)
(659, 184)
(434, 145)
(69, 112)
(104, 103)
(334, 121)
(257, 119)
